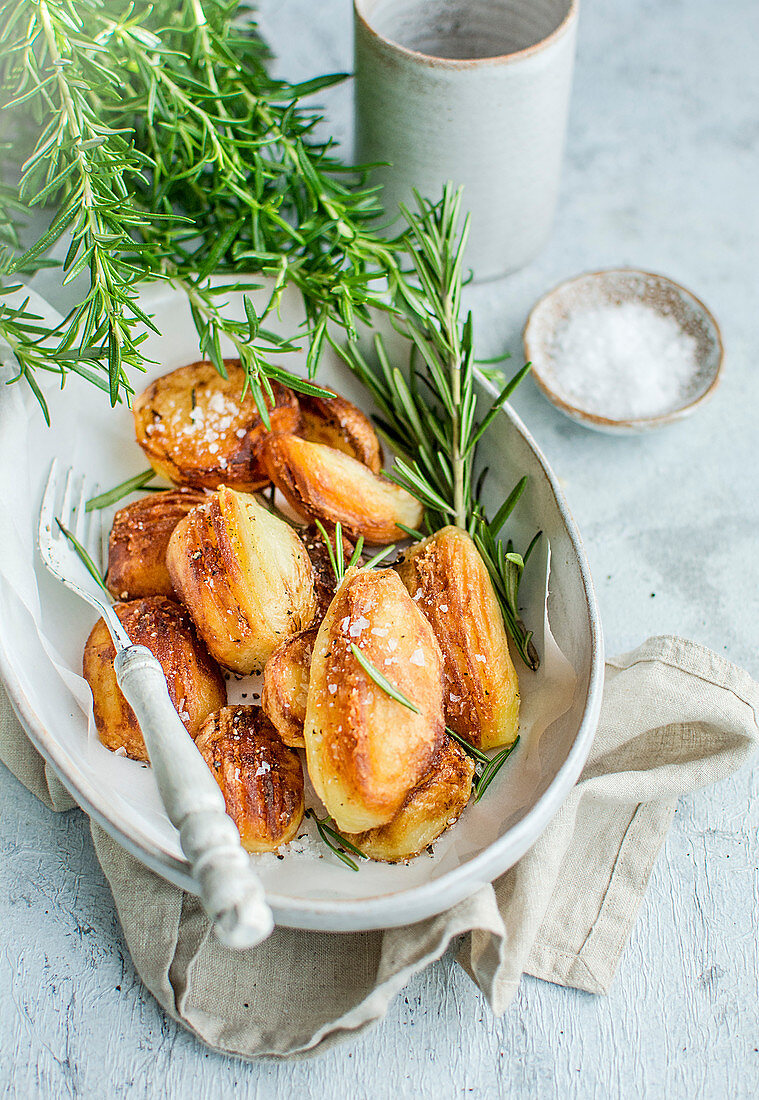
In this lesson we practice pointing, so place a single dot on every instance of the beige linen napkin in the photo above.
(675, 717)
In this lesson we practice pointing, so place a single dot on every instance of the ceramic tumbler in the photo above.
(472, 91)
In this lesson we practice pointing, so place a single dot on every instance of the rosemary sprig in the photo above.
(336, 556)
(85, 558)
(118, 492)
(491, 771)
(335, 841)
(429, 415)
(489, 765)
(470, 749)
(53, 68)
(336, 551)
(154, 131)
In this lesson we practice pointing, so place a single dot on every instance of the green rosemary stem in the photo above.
(94, 226)
(457, 459)
(430, 416)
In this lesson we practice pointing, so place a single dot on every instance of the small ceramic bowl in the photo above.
(616, 287)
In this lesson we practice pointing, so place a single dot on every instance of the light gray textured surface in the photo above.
(661, 173)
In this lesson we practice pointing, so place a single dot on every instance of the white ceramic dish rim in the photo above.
(631, 424)
(386, 910)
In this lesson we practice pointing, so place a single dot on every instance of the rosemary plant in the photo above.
(154, 131)
(429, 415)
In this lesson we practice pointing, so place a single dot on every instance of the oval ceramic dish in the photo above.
(613, 287)
(316, 892)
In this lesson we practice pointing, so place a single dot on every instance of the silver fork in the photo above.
(231, 892)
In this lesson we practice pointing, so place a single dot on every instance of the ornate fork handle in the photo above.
(231, 893)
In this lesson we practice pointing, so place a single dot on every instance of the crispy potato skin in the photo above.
(341, 425)
(322, 483)
(196, 685)
(324, 575)
(365, 751)
(245, 577)
(449, 582)
(138, 542)
(429, 809)
(260, 778)
(196, 430)
(287, 672)
(285, 688)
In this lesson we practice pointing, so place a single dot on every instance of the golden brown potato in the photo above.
(430, 808)
(324, 574)
(196, 429)
(341, 425)
(322, 483)
(138, 541)
(450, 583)
(245, 577)
(365, 750)
(196, 685)
(287, 671)
(261, 779)
(285, 688)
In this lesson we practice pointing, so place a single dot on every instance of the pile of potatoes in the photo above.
(208, 576)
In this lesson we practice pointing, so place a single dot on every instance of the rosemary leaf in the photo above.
(118, 492)
(470, 749)
(85, 558)
(330, 550)
(499, 402)
(410, 531)
(382, 681)
(356, 555)
(491, 771)
(339, 555)
(507, 507)
(378, 557)
(329, 836)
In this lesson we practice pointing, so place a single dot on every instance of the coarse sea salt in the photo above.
(624, 361)
(304, 847)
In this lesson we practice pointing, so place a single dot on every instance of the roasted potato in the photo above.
(324, 574)
(285, 688)
(261, 779)
(138, 541)
(429, 809)
(322, 483)
(449, 582)
(341, 425)
(196, 685)
(245, 577)
(197, 429)
(365, 751)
